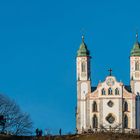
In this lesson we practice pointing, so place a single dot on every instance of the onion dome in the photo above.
(136, 48)
(83, 51)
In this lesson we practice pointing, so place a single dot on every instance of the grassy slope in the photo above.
(97, 136)
(100, 136)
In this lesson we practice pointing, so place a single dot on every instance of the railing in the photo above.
(105, 130)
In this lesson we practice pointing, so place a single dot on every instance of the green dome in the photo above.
(83, 51)
(136, 49)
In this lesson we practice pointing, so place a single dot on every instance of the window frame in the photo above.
(117, 91)
(110, 91)
(83, 66)
(125, 121)
(125, 106)
(95, 121)
(103, 91)
(137, 66)
(94, 107)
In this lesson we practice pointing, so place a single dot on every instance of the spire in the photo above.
(83, 50)
(82, 38)
(83, 33)
(136, 47)
(136, 36)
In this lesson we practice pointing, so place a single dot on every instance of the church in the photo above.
(111, 105)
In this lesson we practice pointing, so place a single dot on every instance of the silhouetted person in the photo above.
(60, 131)
(40, 133)
(76, 131)
(37, 132)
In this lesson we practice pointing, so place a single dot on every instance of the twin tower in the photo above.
(111, 104)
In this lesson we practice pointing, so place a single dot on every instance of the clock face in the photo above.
(84, 88)
(110, 82)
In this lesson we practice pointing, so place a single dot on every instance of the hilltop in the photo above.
(96, 136)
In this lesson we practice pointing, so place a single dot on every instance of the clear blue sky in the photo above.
(38, 44)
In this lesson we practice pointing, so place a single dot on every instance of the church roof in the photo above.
(93, 89)
(136, 48)
(128, 88)
(83, 51)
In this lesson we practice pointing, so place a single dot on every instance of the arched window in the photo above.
(125, 106)
(137, 65)
(95, 121)
(94, 107)
(125, 121)
(116, 91)
(103, 91)
(83, 65)
(110, 92)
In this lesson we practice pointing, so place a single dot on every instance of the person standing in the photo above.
(60, 131)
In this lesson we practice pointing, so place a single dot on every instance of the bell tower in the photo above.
(83, 62)
(83, 85)
(135, 77)
(135, 67)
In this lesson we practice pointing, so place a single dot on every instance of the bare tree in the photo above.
(16, 122)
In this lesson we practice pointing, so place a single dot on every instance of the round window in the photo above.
(110, 118)
(110, 103)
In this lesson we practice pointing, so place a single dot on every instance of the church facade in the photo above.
(111, 104)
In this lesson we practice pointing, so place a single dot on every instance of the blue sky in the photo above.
(38, 45)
